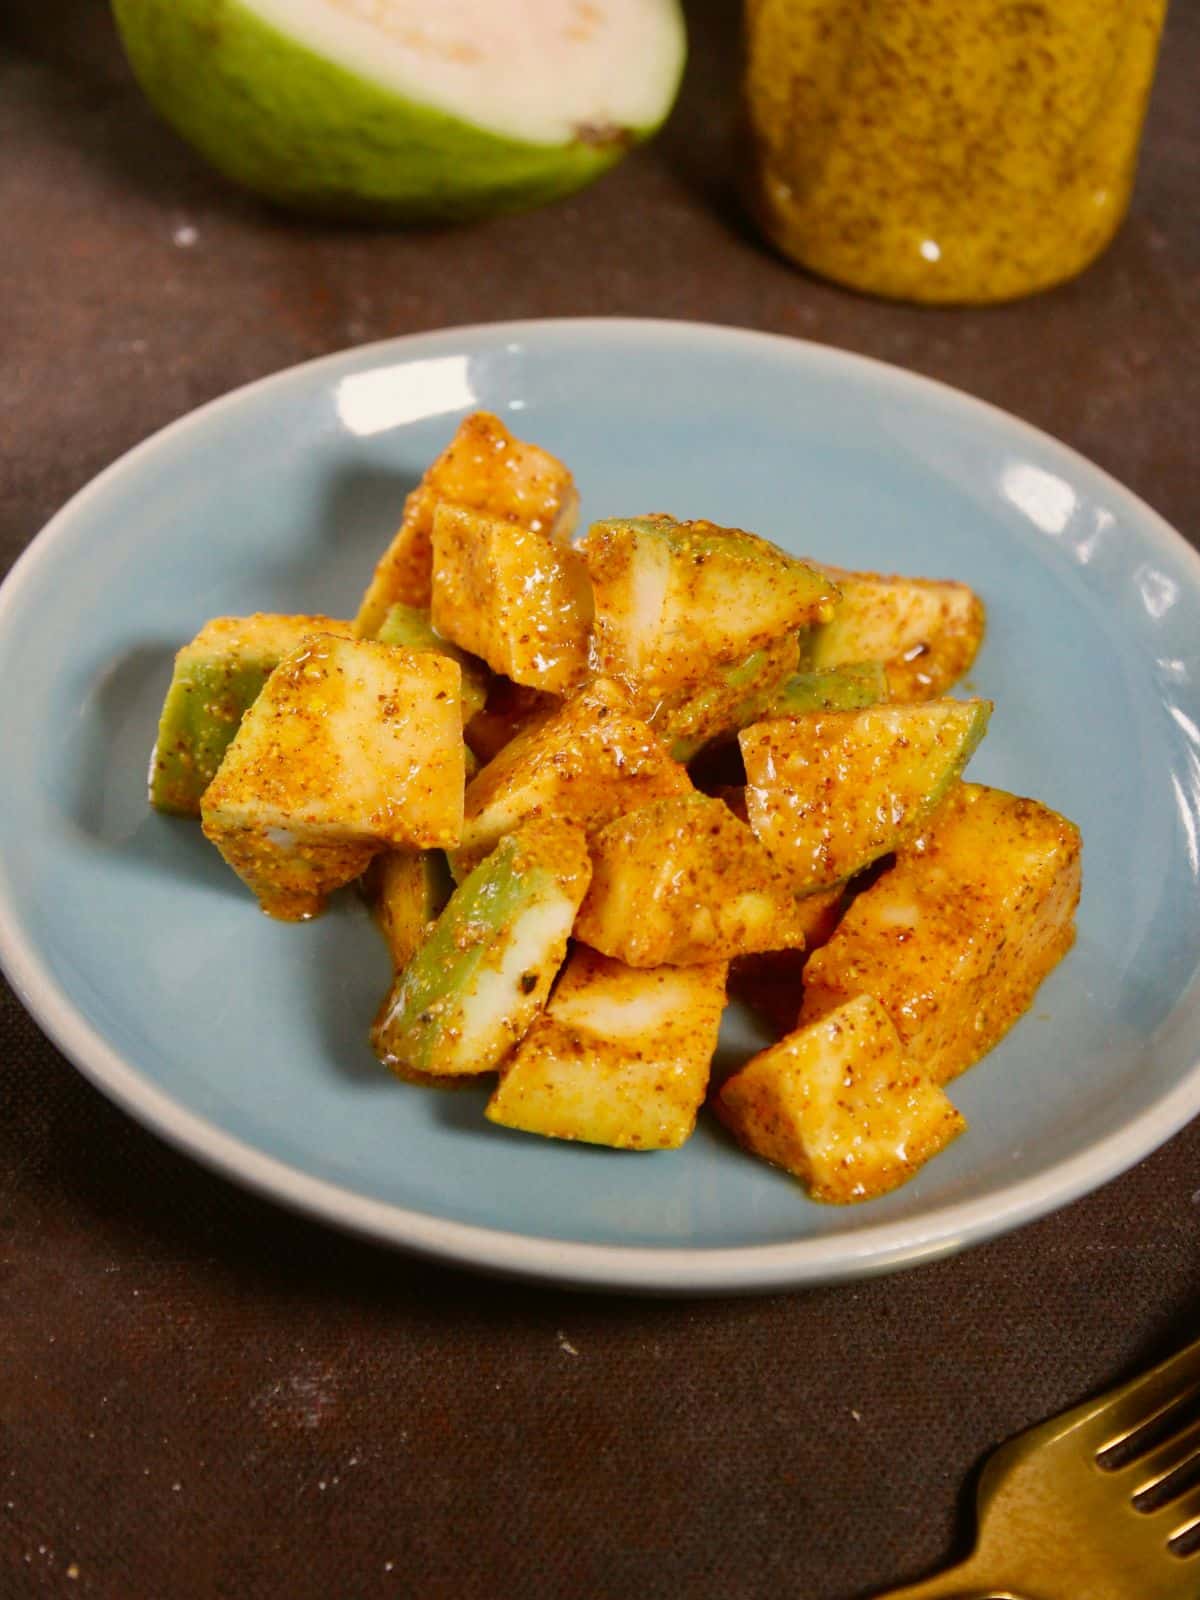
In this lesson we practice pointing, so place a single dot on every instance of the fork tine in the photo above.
(1157, 1465)
(1179, 1516)
(1118, 1415)
(1121, 1426)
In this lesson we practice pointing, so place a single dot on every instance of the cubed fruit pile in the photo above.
(591, 788)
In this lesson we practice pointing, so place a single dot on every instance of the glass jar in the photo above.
(946, 150)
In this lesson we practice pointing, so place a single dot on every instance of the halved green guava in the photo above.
(408, 110)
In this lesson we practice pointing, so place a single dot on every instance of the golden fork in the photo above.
(1058, 1522)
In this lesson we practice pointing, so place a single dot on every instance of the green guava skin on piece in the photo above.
(704, 717)
(203, 710)
(310, 136)
(410, 628)
(438, 997)
(849, 688)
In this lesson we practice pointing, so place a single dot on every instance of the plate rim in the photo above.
(671, 1270)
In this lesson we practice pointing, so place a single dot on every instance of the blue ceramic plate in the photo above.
(244, 1042)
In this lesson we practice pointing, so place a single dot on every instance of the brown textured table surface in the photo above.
(201, 1395)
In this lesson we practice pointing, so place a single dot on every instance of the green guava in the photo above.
(408, 110)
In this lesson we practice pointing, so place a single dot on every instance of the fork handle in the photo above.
(964, 1582)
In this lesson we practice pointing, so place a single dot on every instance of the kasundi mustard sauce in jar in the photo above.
(946, 150)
